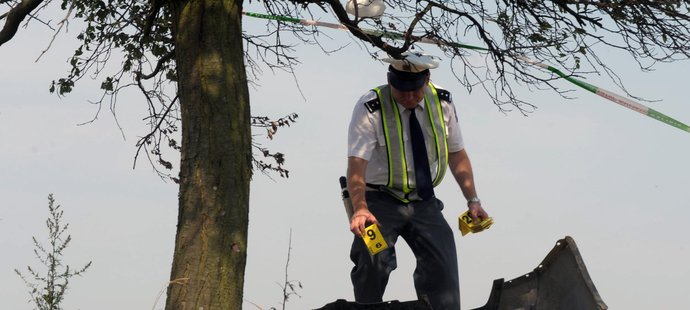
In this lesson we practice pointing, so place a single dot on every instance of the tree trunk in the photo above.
(215, 170)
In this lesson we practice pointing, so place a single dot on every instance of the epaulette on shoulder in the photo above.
(373, 105)
(444, 95)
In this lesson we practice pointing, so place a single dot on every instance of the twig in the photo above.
(286, 295)
(62, 23)
(181, 281)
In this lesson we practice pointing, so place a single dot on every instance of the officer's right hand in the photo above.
(360, 220)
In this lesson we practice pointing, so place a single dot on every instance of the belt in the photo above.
(412, 196)
(373, 187)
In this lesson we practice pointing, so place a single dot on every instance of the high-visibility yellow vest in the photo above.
(398, 180)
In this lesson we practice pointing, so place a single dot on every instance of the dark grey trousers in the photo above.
(422, 225)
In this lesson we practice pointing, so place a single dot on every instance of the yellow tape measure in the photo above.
(467, 225)
(374, 240)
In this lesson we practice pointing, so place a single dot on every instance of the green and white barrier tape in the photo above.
(609, 95)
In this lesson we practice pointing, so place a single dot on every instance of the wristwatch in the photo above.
(473, 199)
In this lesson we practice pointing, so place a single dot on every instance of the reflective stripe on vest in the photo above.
(398, 180)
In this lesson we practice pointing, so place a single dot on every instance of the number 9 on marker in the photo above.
(374, 240)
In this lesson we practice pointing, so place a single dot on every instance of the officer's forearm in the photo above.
(461, 168)
(356, 184)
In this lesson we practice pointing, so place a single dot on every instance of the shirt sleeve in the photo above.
(362, 131)
(455, 141)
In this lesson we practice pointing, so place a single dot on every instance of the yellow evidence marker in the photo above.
(374, 240)
(467, 225)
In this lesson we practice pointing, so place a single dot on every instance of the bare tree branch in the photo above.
(151, 17)
(159, 65)
(15, 17)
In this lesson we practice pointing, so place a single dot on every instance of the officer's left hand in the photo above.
(477, 212)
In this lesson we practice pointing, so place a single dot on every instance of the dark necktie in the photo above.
(422, 172)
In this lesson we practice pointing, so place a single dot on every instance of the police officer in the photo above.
(402, 139)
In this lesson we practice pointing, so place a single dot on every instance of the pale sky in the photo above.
(614, 180)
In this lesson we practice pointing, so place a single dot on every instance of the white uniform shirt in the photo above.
(366, 139)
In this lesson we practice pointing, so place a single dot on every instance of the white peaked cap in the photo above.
(413, 62)
(366, 8)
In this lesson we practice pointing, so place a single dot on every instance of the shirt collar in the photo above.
(420, 105)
